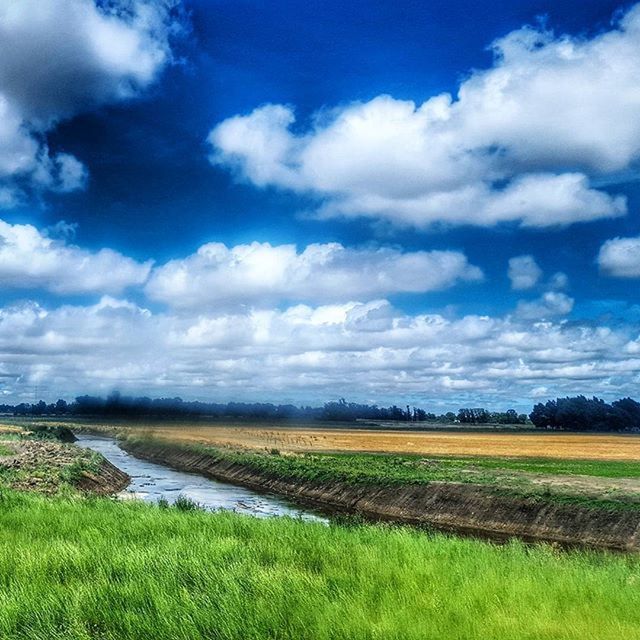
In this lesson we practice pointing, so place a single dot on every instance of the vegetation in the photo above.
(5, 449)
(117, 406)
(572, 413)
(52, 432)
(95, 568)
(587, 414)
(503, 475)
(38, 462)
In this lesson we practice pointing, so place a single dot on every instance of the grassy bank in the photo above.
(596, 483)
(79, 568)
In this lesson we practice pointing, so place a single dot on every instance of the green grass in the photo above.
(597, 468)
(80, 569)
(394, 469)
(6, 450)
(402, 469)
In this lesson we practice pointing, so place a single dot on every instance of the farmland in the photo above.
(565, 446)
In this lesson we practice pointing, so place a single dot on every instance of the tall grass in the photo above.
(73, 568)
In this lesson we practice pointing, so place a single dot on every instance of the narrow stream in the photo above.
(151, 482)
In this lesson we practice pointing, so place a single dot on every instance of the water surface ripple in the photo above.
(151, 482)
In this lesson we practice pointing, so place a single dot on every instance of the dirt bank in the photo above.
(106, 480)
(455, 507)
(45, 465)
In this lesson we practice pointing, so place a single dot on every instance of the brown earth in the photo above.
(106, 480)
(529, 445)
(456, 507)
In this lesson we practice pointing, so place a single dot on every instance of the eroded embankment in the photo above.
(105, 480)
(455, 507)
(45, 466)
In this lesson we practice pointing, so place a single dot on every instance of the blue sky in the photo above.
(418, 202)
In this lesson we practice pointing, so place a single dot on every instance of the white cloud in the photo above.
(519, 142)
(31, 259)
(549, 305)
(559, 280)
(620, 257)
(62, 57)
(260, 273)
(306, 353)
(524, 272)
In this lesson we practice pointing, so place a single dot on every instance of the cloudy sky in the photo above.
(431, 203)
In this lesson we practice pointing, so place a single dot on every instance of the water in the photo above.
(151, 482)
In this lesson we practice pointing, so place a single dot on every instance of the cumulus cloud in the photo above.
(310, 353)
(620, 257)
(62, 57)
(519, 142)
(31, 259)
(260, 273)
(550, 304)
(524, 272)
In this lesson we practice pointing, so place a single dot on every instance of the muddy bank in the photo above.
(454, 507)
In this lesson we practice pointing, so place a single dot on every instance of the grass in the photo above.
(5, 449)
(79, 569)
(500, 474)
(594, 468)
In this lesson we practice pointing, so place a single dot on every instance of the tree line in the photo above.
(577, 413)
(118, 406)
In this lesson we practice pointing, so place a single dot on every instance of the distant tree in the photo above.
(626, 413)
(579, 413)
(543, 416)
(61, 407)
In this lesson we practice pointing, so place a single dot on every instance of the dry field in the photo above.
(542, 445)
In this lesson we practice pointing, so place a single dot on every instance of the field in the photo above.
(327, 438)
(95, 568)
(522, 445)
(74, 567)
(592, 467)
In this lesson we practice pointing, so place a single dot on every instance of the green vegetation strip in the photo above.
(80, 569)
(596, 468)
(400, 469)
(500, 475)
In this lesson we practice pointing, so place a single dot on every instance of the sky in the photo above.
(428, 203)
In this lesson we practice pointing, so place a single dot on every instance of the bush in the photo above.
(184, 503)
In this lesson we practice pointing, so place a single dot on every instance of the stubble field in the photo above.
(500, 444)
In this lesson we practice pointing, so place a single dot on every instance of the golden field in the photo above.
(530, 445)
